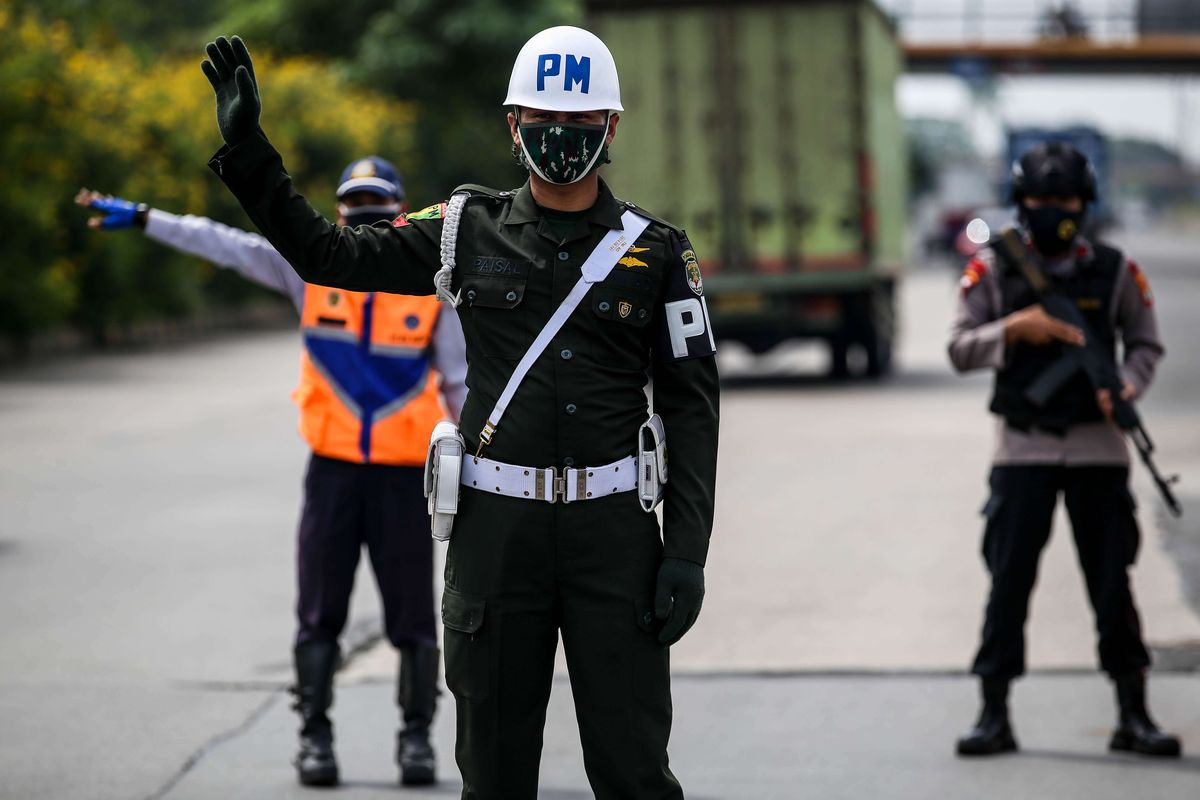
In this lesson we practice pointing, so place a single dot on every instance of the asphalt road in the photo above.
(147, 509)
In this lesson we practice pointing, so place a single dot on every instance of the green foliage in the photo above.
(108, 94)
(75, 113)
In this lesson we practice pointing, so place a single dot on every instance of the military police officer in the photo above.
(1067, 445)
(553, 539)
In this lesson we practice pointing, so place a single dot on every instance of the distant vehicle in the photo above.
(1087, 140)
(984, 224)
(770, 132)
(961, 190)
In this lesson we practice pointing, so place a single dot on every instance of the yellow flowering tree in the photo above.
(97, 115)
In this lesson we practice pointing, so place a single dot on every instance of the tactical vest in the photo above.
(368, 392)
(1091, 288)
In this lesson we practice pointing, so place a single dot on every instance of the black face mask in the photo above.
(1053, 229)
(369, 215)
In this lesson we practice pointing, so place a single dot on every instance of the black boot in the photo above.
(992, 734)
(315, 764)
(417, 697)
(1136, 731)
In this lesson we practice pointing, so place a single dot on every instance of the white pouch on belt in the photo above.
(652, 462)
(443, 466)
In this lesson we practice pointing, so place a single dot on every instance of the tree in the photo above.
(98, 115)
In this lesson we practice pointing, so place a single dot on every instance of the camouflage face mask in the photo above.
(563, 153)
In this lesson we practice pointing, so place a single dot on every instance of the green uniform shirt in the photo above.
(584, 399)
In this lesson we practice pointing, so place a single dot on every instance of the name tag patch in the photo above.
(499, 265)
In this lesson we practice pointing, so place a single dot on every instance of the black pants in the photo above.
(347, 506)
(519, 572)
(1019, 515)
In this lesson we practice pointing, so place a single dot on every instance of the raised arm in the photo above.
(381, 257)
(247, 254)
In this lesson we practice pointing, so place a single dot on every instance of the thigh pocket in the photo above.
(467, 644)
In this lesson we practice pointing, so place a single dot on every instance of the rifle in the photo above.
(1094, 363)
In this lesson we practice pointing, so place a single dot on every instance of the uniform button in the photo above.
(571, 408)
(563, 255)
(568, 462)
(471, 296)
(511, 297)
(604, 305)
(505, 194)
(566, 355)
(647, 619)
(642, 313)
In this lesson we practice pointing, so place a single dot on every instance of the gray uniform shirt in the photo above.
(253, 257)
(977, 342)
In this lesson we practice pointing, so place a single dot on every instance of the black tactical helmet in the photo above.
(1053, 168)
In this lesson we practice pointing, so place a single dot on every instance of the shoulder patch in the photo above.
(435, 211)
(972, 274)
(692, 268)
(1142, 283)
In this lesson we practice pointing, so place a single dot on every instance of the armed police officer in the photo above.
(568, 298)
(378, 372)
(1061, 440)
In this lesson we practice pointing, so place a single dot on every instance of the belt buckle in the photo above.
(558, 485)
(580, 479)
(539, 489)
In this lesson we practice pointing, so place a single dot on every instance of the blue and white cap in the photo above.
(565, 69)
(371, 174)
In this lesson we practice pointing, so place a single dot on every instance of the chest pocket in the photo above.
(494, 302)
(623, 305)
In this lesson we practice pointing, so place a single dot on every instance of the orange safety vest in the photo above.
(368, 392)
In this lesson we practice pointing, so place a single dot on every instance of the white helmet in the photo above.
(565, 69)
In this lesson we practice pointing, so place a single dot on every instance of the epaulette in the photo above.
(475, 190)
(635, 207)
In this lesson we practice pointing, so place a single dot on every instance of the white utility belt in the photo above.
(449, 468)
(548, 484)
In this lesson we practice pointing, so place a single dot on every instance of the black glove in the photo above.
(231, 74)
(678, 597)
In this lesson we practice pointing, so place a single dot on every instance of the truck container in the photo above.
(769, 130)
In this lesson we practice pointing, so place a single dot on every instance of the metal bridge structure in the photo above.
(978, 39)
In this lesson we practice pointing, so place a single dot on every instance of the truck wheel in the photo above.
(839, 362)
(879, 357)
(880, 331)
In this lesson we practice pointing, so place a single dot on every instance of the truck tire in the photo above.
(880, 331)
(839, 361)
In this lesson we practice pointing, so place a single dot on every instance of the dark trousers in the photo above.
(517, 573)
(1019, 515)
(347, 506)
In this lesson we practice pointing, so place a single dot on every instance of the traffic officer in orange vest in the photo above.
(377, 373)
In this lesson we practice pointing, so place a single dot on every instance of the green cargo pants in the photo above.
(517, 573)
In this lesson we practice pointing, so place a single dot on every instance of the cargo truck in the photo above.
(769, 130)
